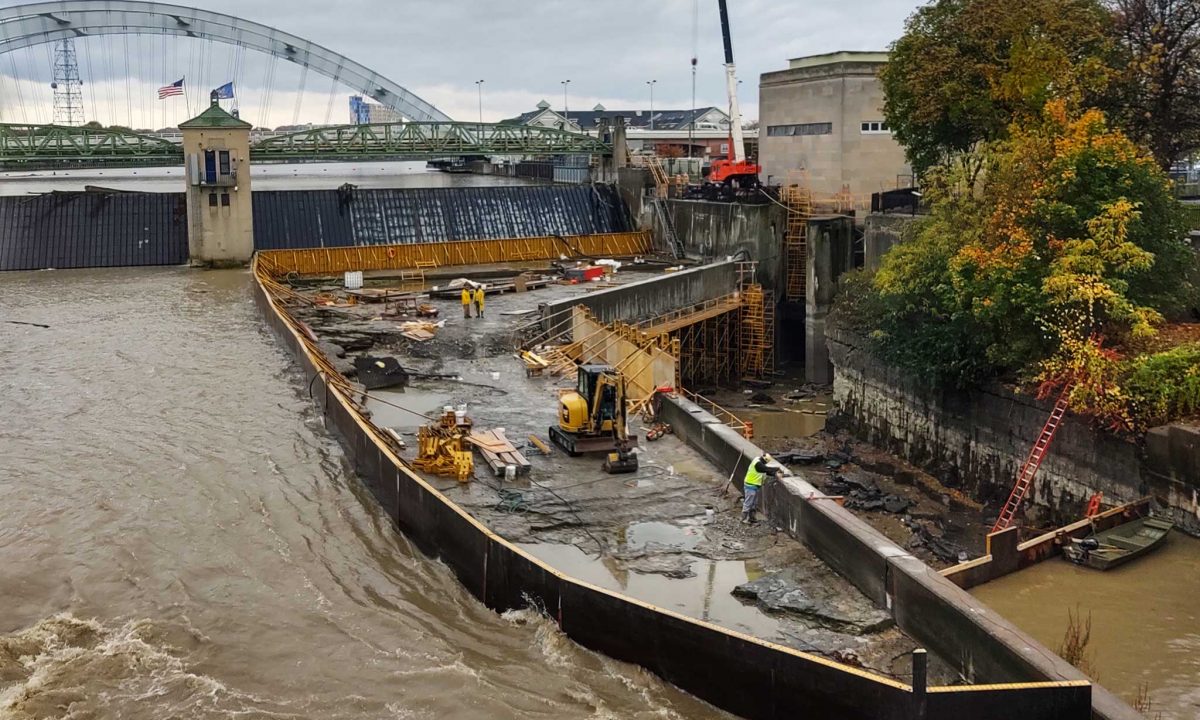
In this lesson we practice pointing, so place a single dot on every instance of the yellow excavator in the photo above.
(591, 418)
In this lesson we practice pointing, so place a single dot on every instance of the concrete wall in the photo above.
(881, 233)
(830, 253)
(964, 632)
(842, 90)
(977, 440)
(715, 230)
(644, 299)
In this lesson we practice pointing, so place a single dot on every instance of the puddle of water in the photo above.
(640, 534)
(799, 420)
(386, 414)
(706, 596)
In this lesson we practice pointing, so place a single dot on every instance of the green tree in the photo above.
(965, 70)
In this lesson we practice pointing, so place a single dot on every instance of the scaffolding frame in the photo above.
(756, 341)
(797, 197)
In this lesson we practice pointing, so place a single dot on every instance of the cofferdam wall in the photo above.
(295, 219)
(113, 229)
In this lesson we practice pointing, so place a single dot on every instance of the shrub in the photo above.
(1165, 386)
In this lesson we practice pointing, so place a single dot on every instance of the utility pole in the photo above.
(479, 88)
(566, 116)
(651, 84)
(68, 88)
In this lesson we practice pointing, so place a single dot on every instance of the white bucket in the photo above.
(460, 416)
(354, 280)
(510, 472)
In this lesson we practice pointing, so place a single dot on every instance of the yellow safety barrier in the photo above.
(328, 261)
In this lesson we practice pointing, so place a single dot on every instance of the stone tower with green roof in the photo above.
(216, 147)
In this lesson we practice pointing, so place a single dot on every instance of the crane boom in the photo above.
(737, 147)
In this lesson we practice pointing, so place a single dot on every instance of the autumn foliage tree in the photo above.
(1070, 236)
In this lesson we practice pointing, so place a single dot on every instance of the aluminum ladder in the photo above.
(671, 236)
(1033, 461)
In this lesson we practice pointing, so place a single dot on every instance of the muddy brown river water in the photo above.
(1145, 620)
(181, 538)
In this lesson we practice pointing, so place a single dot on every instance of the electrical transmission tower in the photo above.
(68, 88)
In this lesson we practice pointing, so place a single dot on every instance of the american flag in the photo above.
(175, 88)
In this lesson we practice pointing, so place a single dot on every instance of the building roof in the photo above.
(214, 117)
(588, 119)
(841, 56)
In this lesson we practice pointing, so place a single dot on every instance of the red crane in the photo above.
(736, 170)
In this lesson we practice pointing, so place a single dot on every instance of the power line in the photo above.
(12, 59)
(300, 95)
(91, 76)
(128, 97)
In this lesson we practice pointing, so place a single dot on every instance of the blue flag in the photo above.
(225, 91)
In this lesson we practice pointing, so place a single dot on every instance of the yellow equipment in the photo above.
(591, 418)
(442, 448)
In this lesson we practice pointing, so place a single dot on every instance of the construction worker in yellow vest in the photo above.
(760, 468)
(479, 301)
(466, 301)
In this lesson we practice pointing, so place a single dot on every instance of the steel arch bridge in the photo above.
(40, 23)
(417, 140)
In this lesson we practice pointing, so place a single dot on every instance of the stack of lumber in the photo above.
(497, 451)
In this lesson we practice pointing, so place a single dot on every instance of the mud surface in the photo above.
(648, 534)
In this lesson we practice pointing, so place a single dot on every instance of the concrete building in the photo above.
(216, 148)
(824, 114)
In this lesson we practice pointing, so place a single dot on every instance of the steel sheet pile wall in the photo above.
(92, 229)
(332, 218)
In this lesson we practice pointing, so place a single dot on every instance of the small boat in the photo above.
(1109, 548)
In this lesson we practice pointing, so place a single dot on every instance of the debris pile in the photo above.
(442, 448)
(864, 494)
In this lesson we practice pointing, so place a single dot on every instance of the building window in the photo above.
(224, 156)
(212, 199)
(801, 129)
(875, 127)
(224, 199)
(724, 148)
(210, 167)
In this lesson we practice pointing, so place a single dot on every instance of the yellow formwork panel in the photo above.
(328, 261)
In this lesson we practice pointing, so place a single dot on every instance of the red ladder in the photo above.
(1033, 462)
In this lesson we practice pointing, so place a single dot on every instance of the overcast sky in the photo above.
(521, 49)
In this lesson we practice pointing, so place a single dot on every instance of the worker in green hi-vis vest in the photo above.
(761, 468)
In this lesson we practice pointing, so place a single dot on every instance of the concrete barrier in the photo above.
(648, 298)
(964, 632)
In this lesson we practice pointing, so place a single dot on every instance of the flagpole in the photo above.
(187, 101)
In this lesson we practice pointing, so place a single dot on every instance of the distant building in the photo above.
(705, 131)
(824, 114)
(366, 113)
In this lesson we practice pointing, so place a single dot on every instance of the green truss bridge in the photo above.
(21, 144)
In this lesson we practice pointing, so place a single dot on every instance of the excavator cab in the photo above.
(591, 418)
